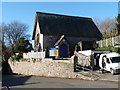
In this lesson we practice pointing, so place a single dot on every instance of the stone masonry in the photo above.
(47, 67)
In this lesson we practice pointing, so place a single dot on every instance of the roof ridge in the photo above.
(63, 15)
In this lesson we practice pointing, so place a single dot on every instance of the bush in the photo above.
(114, 49)
(19, 56)
(12, 58)
(16, 57)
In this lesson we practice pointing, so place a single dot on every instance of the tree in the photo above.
(107, 27)
(118, 24)
(98, 23)
(0, 43)
(23, 45)
(6, 51)
(12, 32)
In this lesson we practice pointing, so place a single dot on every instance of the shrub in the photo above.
(114, 49)
(19, 56)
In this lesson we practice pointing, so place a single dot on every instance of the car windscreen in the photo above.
(115, 59)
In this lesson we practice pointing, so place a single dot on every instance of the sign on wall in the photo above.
(53, 51)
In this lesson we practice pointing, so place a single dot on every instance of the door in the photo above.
(63, 50)
(108, 64)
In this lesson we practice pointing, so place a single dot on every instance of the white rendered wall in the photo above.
(41, 35)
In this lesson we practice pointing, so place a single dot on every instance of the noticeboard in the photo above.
(53, 51)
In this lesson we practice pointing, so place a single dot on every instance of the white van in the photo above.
(110, 62)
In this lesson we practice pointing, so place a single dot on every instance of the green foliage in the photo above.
(118, 24)
(17, 57)
(23, 45)
(77, 48)
(114, 49)
(10, 33)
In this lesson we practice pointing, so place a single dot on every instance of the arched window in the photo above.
(38, 38)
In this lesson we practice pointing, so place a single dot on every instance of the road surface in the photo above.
(15, 81)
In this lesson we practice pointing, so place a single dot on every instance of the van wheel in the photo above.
(112, 71)
(102, 70)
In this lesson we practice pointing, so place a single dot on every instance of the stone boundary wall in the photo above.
(48, 68)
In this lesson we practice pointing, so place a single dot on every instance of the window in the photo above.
(115, 59)
(38, 38)
(107, 60)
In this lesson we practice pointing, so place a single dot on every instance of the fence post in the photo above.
(101, 43)
(119, 39)
(106, 43)
(109, 42)
(112, 41)
(75, 63)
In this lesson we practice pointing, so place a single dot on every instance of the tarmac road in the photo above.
(106, 76)
(15, 81)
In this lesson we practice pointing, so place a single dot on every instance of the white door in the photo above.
(108, 65)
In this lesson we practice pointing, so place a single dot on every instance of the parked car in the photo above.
(110, 62)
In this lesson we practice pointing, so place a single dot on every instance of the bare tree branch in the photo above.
(14, 31)
(107, 27)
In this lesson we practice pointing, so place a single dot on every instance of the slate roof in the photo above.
(55, 24)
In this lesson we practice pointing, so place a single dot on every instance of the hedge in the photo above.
(114, 49)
